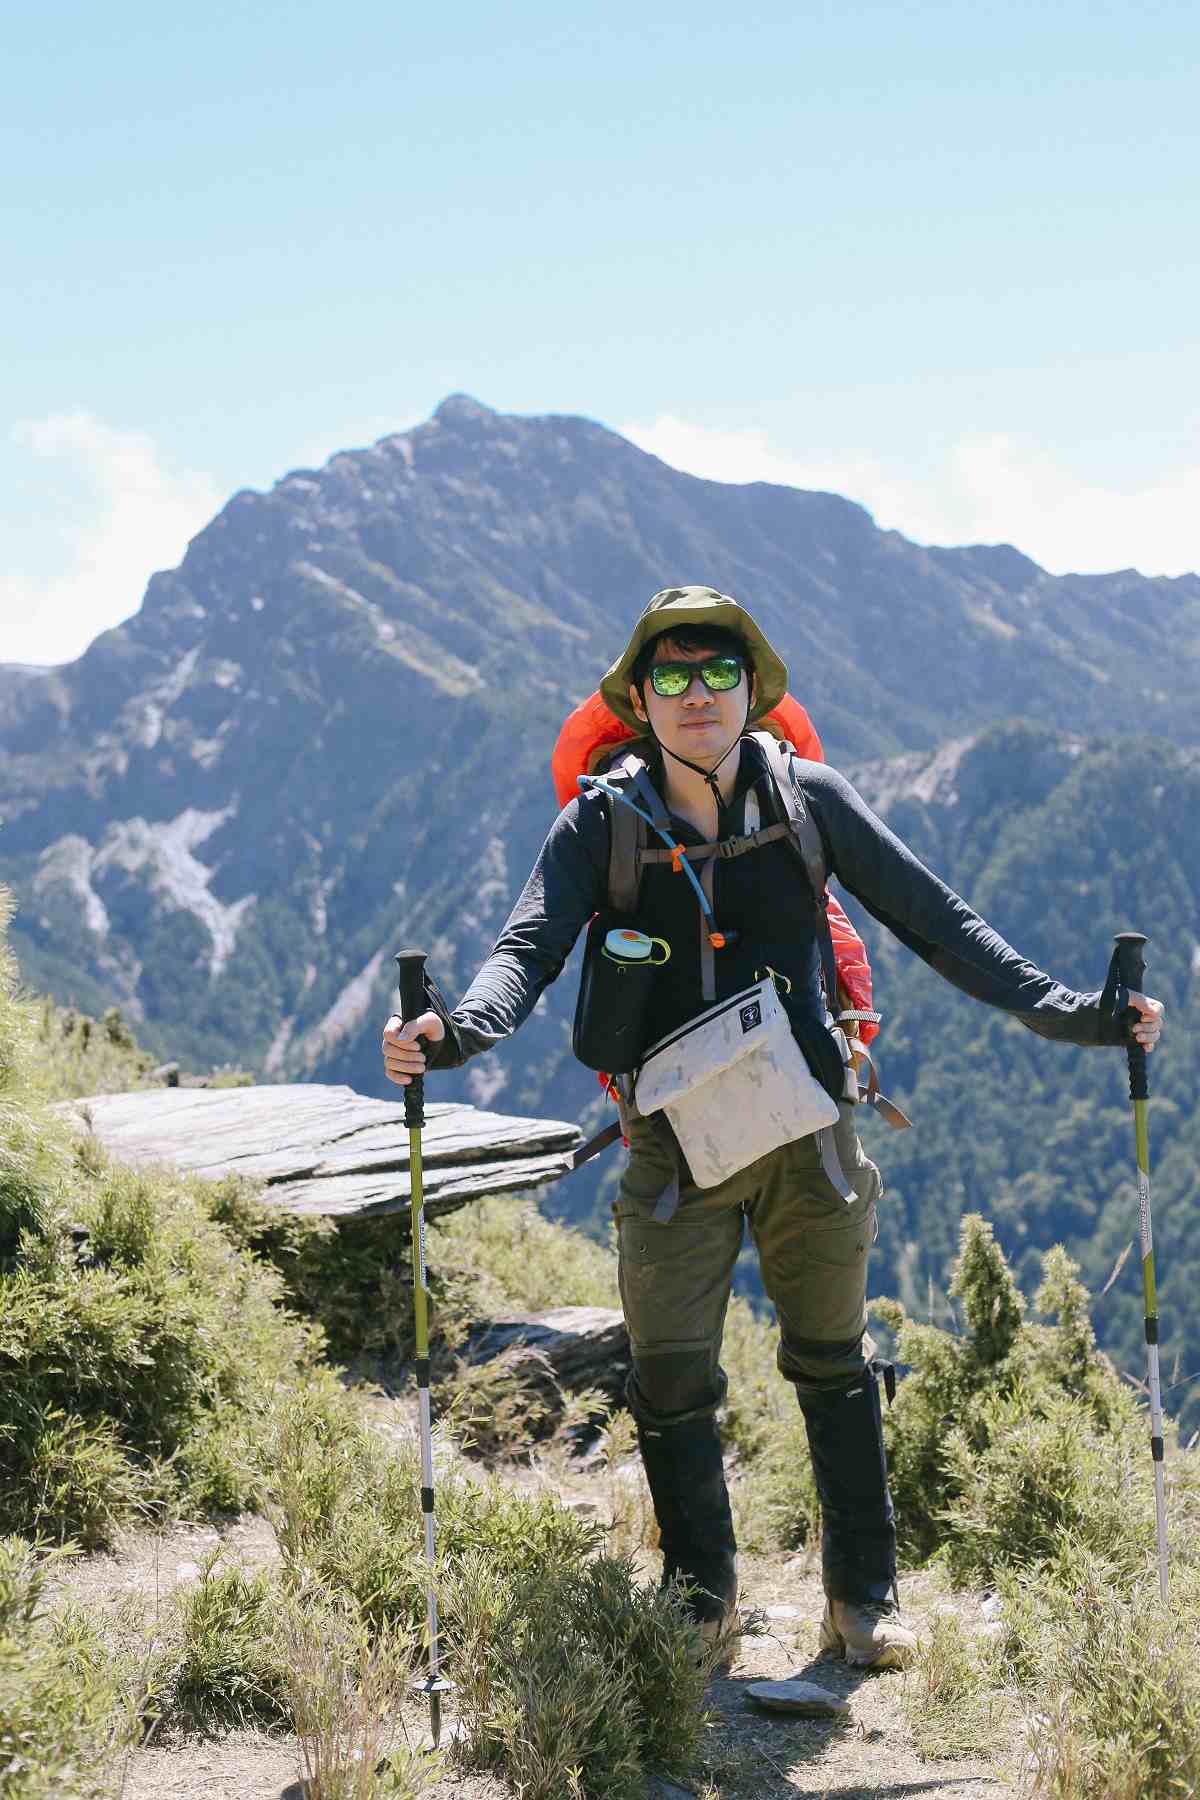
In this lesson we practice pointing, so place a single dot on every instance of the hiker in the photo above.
(695, 677)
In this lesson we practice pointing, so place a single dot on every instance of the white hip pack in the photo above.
(734, 1085)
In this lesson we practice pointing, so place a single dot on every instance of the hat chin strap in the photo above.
(709, 775)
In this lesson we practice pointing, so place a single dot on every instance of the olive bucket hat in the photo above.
(674, 607)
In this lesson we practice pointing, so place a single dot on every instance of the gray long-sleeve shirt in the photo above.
(764, 896)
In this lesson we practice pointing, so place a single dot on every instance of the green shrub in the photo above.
(1039, 1477)
(574, 1681)
(29, 1180)
(1111, 1678)
(347, 1511)
(75, 1055)
(759, 1404)
(223, 1664)
(139, 1378)
(536, 1626)
(500, 1255)
(63, 1712)
(997, 1435)
(562, 1714)
(354, 1276)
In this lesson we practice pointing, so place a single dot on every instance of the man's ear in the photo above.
(635, 700)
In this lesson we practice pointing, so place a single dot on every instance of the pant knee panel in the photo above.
(817, 1368)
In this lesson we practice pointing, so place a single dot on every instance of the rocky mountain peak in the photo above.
(336, 715)
(463, 409)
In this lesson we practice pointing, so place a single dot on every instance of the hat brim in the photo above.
(676, 608)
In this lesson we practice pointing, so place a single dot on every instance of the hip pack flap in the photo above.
(709, 1044)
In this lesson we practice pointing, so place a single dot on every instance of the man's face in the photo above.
(699, 725)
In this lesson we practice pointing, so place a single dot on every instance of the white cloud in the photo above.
(133, 516)
(987, 489)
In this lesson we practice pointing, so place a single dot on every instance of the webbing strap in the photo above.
(594, 1145)
(806, 838)
(831, 1162)
(887, 1109)
(725, 848)
(667, 1204)
(708, 960)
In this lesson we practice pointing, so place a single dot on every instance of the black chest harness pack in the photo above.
(733, 1082)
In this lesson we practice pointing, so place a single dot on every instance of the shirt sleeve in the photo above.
(931, 919)
(568, 883)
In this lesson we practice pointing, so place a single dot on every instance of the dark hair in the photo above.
(717, 638)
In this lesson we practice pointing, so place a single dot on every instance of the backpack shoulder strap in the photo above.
(627, 833)
(805, 839)
(780, 759)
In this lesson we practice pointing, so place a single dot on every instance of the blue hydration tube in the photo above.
(598, 781)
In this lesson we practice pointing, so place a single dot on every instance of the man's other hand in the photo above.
(403, 1056)
(1149, 1026)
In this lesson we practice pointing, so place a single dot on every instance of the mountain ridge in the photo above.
(415, 618)
(329, 730)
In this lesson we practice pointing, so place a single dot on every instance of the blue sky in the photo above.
(941, 258)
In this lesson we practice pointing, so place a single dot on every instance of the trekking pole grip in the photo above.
(1127, 969)
(411, 965)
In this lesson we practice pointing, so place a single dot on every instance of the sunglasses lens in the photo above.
(718, 673)
(721, 673)
(670, 679)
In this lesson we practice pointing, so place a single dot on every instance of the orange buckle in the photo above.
(677, 859)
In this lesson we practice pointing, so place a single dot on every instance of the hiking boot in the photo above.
(715, 1615)
(868, 1633)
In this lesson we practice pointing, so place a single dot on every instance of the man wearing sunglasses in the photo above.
(696, 673)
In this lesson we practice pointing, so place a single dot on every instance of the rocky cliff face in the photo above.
(328, 730)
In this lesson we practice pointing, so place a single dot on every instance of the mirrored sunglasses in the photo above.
(718, 673)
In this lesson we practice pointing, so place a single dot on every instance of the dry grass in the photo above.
(346, 1687)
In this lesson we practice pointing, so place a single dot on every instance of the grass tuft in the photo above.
(953, 1697)
(65, 1711)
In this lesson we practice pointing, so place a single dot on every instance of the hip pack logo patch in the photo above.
(751, 1015)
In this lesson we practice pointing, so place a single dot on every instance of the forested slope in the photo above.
(1059, 843)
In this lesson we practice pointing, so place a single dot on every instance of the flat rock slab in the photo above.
(326, 1150)
(803, 1698)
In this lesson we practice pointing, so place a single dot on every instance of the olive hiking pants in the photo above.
(676, 1274)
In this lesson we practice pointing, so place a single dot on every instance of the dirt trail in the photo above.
(749, 1755)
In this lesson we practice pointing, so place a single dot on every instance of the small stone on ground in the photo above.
(796, 1696)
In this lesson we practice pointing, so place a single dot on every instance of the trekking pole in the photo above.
(1127, 969)
(411, 964)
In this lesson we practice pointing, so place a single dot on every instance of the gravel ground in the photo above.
(748, 1754)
